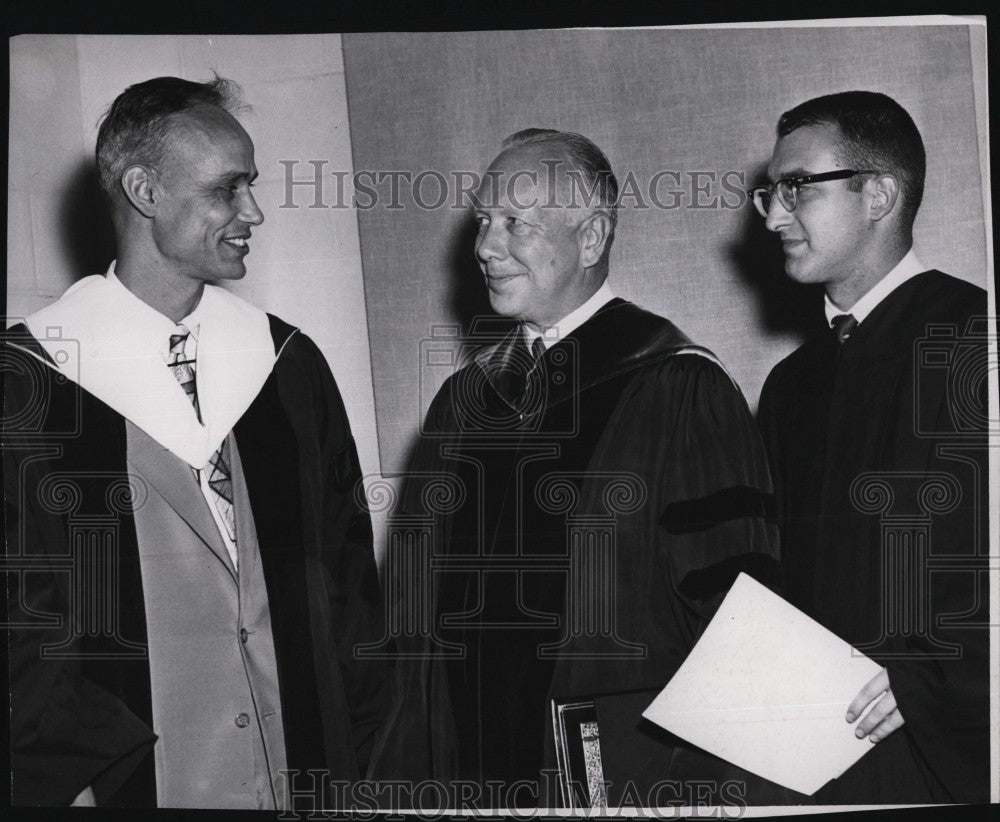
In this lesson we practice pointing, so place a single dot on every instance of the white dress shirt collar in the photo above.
(905, 269)
(572, 321)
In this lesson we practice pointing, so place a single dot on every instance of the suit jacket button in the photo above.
(244, 635)
(242, 720)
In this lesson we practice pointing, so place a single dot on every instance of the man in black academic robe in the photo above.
(605, 485)
(90, 721)
(80, 632)
(876, 432)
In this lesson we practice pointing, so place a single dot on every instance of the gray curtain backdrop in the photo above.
(700, 104)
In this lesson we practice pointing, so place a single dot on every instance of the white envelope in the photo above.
(766, 688)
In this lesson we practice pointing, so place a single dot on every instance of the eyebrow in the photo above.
(798, 171)
(231, 177)
(488, 204)
(484, 207)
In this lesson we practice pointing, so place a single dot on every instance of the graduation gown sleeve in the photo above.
(338, 574)
(877, 411)
(68, 730)
(418, 739)
(684, 428)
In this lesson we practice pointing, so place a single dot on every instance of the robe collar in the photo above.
(619, 337)
(117, 347)
(906, 269)
(568, 324)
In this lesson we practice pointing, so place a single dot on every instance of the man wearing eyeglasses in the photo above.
(879, 460)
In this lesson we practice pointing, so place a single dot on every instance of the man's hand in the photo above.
(884, 717)
(85, 799)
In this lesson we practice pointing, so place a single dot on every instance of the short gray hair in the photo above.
(585, 157)
(137, 128)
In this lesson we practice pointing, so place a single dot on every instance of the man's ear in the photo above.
(594, 233)
(884, 196)
(138, 184)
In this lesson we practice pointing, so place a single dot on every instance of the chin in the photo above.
(230, 274)
(799, 273)
(505, 308)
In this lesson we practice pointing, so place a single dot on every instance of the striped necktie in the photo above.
(537, 349)
(182, 362)
(531, 397)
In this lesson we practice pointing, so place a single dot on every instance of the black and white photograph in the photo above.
(563, 420)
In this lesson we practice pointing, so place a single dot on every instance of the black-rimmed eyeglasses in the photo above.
(787, 188)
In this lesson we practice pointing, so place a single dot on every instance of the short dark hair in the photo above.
(585, 157)
(136, 127)
(875, 132)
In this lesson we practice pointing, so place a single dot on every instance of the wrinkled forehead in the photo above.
(526, 175)
(807, 150)
(211, 134)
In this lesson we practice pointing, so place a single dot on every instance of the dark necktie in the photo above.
(182, 364)
(843, 325)
(537, 349)
(532, 392)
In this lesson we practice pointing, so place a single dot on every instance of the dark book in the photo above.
(578, 754)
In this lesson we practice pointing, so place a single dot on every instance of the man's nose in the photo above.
(777, 215)
(490, 243)
(250, 212)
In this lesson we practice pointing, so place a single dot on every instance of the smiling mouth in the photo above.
(493, 276)
(237, 242)
(496, 281)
